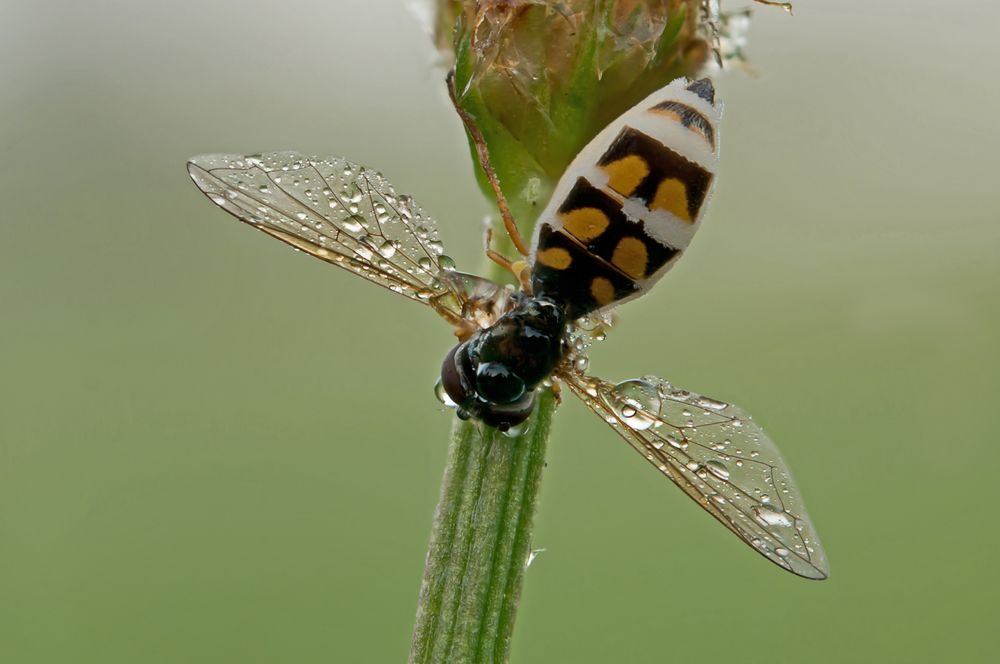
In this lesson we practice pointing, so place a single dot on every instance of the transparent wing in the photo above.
(719, 457)
(341, 213)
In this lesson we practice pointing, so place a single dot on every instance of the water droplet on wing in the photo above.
(354, 224)
(387, 249)
(718, 469)
(711, 404)
(636, 402)
(770, 516)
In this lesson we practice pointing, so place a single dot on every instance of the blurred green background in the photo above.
(215, 450)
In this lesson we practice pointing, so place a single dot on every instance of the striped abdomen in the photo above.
(628, 205)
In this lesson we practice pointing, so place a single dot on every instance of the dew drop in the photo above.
(447, 263)
(442, 395)
(515, 431)
(711, 404)
(387, 249)
(636, 402)
(354, 224)
(532, 555)
(677, 443)
(718, 469)
(769, 516)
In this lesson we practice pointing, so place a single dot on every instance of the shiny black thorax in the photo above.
(493, 375)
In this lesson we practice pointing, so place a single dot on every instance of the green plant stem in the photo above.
(482, 527)
(480, 543)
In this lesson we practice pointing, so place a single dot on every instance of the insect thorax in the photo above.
(492, 376)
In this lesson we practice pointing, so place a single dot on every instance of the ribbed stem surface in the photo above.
(480, 542)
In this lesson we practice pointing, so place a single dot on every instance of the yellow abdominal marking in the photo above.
(671, 196)
(693, 126)
(668, 112)
(585, 223)
(631, 257)
(625, 174)
(555, 257)
(602, 290)
(701, 132)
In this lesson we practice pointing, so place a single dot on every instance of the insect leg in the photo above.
(484, 160)
(520, 269)
(787, 6)
(557, 389)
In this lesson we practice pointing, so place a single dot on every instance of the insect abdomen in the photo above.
(630, 202)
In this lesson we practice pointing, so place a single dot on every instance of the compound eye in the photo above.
(453, 372)
(498, 384)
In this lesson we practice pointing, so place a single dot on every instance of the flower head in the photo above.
(541, 78)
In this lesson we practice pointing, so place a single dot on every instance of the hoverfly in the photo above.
(619, 218)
